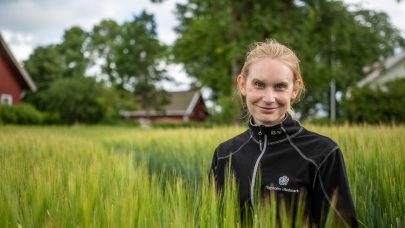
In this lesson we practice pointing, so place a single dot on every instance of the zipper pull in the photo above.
(260, 137)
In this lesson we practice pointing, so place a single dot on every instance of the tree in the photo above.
(104, 38)
(131, 55)
(79, 100)
(63, 86)
(45, 65)
(138, 60)
(64, 60)
(54, 62)
(72, 50)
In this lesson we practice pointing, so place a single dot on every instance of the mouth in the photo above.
(267, 109)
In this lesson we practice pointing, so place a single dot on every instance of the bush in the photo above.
(51, 118)
(7, 114)
(79, 100)
(28, 114)
(382, 105)
(20, 114)
(230, 112)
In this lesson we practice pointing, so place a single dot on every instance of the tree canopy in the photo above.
(131, 55)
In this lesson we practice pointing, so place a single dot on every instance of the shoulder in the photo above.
(233, 144)
(316, 146)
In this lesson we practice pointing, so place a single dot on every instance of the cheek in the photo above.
(252, 94)
(290, 94)
(285, 97)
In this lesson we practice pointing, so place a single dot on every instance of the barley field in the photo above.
(129, 177)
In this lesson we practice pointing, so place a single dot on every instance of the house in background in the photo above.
(380, 73)
(14, 80)
(183, 106)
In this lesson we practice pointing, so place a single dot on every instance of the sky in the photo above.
(26, 24)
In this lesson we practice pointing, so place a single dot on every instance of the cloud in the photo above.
(394, 9)
(21, 44)
(45, 20)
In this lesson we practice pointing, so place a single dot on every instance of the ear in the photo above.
(297, 85)
(241, 84)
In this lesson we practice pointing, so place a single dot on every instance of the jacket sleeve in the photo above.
(331, 184)
(217, 171)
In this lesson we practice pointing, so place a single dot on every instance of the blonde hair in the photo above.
(275, 50)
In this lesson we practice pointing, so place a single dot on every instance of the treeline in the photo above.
(92, 74)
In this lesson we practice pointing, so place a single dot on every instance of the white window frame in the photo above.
(6, 99)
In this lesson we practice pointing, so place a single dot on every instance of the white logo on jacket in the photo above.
(283, 180)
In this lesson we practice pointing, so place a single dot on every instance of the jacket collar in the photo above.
(275, 133)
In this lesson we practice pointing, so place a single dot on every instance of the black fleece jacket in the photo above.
(290, 161)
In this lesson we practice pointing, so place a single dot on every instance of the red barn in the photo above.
(14, 80)
(183, 106)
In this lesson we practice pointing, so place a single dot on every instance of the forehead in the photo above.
(269, 69)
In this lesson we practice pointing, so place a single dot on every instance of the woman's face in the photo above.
(269, 90)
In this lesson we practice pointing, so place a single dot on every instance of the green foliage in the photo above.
(52, 118)
(72, 50)
(65, 60)
(79, 100)
(49, 64)
(7, 114)
(104, 38)
(230, 110)
(132, 54)
(20, 114)
(45, 65)
(28, 114)
(384, 104)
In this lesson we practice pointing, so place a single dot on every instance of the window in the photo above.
(6, 99)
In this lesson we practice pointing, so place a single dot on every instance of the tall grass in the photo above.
(122, 177)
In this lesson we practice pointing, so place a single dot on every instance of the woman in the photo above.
(289, 159)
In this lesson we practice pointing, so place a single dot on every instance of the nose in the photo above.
(269, 96)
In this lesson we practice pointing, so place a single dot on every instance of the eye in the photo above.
(281, 86)
(259, 85)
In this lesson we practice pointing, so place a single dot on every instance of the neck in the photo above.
(276, 132)
(254, 122)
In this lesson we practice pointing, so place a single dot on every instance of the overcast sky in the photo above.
(25, 24)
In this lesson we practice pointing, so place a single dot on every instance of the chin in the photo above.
(269, 120)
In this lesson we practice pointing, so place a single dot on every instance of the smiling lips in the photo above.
(267, 109)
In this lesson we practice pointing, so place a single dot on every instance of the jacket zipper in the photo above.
(263, 149)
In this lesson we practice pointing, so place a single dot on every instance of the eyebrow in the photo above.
(264, 81)
(282, 83)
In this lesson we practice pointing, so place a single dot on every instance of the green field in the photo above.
(130, 177)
